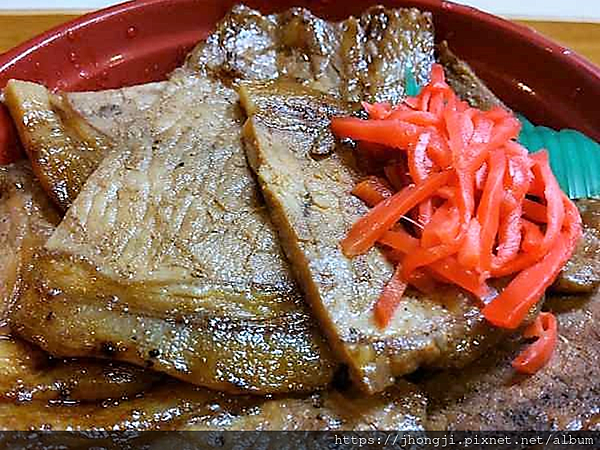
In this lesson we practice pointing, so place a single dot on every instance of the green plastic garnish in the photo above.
(574, 157)
(410, 83)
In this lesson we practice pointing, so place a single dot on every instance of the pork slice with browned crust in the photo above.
(168, 253)
(27, 219)
(38, 392)
(307, 182)
(66, 135)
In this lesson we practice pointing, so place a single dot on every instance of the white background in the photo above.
(580, 10)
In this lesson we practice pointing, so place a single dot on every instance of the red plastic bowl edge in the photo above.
(568, 56)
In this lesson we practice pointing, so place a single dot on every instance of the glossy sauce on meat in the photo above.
(41, 393)
(168, 253)
(310, 201)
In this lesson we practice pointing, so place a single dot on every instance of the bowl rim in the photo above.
(563, 54)
(21, 51)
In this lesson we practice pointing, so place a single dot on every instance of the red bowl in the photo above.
(144, 40)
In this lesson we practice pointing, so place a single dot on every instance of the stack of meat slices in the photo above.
(160, 252)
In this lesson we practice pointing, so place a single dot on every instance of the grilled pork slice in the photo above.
(169, 256)
(179, 406)
(362, 58)
(401, 407)
(581, 274)
(563, 395)
(310, 201)
(113, 111)
(28, 375)
(213, 335)
(161, 407)
(168, 252)
(63, 149)
(27, 218)
(66, 135)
